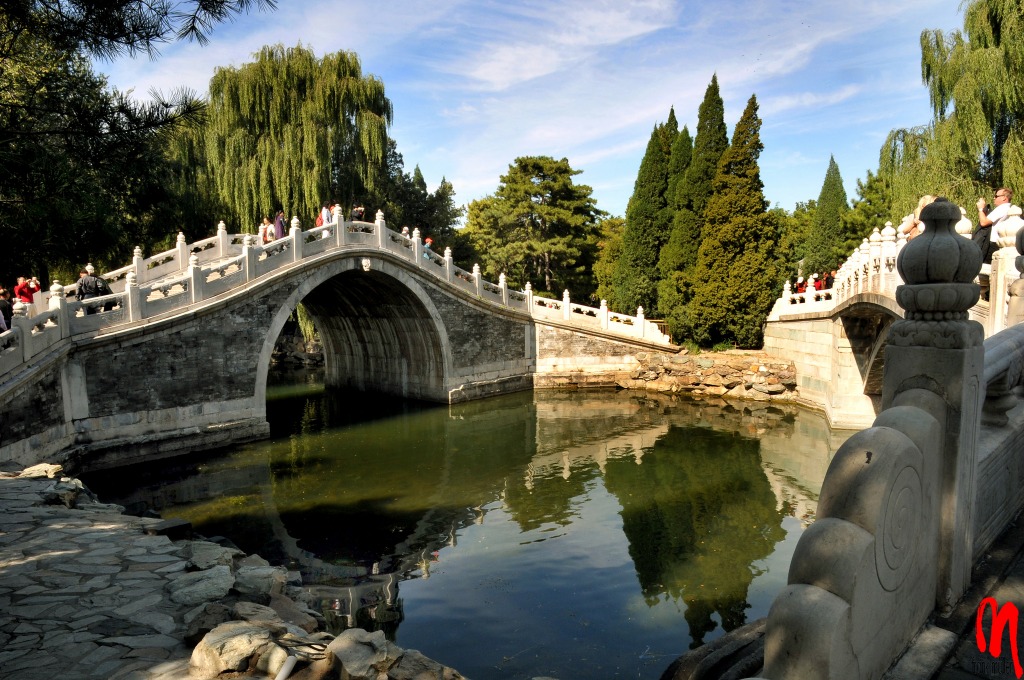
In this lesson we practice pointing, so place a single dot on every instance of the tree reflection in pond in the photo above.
(584, 534)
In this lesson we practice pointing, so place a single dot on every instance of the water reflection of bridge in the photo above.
(546, 447)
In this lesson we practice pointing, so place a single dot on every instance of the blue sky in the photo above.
(476, 84)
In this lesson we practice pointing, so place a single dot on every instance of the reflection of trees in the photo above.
(697, 514)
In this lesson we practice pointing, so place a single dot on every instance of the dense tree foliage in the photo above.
(826, 245)
(82, 167)
(975, 141)
(872, 208)
(695, 188)
(538, 228)
(795, 231)
(647, 224)
(737, 275)
(609, 245)
(290, 130)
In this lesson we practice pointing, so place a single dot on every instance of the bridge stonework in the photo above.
(196, 377)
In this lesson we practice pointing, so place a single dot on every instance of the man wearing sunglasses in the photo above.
(998, 213)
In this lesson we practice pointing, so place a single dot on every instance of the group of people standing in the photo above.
(272, 230)
(815, 281)
(25, 290)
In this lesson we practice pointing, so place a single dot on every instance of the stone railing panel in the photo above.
(160, 265)
(464, 279)
(207, 250)
(224, 277)
(11, 353)
(165, 297)
(274, 255)
(318, 241)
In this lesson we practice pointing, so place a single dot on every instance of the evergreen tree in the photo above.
(647, 220)
(679, 161)
(795, 231)
(871, 209)
(693, 191)
(538, 227)
(975, 142)
(825, 247)
(291, 130)
(609, 246)
(736, 276)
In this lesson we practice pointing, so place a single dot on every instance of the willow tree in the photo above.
(976, 140)
(290, 130)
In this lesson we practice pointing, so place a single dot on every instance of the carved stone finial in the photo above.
(296, 223)
(501, 279)
(939, 269)
(181, 237)
(137, 252)
(247, 240)
(193, 260)
(476, 270)
(221, 226)
(130, 279)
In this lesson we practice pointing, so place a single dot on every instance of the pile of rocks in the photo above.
(732, 374)
(86, 591)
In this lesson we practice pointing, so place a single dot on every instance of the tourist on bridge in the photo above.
(26, 289)
(999, 212)
(88, 288)
(6, 309)
(266, 233)
(357, 213)
(279, 224)
(830, 279)
(801, 287)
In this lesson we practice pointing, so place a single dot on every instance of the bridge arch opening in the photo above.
(378, 335)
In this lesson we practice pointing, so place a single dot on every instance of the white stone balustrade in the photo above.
(188, 274)
(871, 268)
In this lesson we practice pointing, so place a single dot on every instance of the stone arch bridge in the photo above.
(837, 338)
(177, 357)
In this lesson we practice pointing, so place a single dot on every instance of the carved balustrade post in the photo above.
(604, 312)
(529, 297)
(379, 225)
(139, 264)
(1015, 307)
(640, 322)
(20, 321)
(223, 242)
(181, 254)
(449, 264)
(477, 280)
(566, 305)
(338, 225)
(888, 259)
(937, 348)
(59, 303)
(417, 247)
(248, 257)
(875, 253)
(133, 298)
(296, 236)
(865, 266)
(195, 279)
(503, 285)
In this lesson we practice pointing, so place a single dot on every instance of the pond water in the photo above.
(563, 534)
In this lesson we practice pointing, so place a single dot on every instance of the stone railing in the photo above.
(902, 502)
(871, 268)
(193, 272)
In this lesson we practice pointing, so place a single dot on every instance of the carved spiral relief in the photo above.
(896, 535)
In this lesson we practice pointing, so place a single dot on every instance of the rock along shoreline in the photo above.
(89, 592)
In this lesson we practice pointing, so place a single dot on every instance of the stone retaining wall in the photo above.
(733, 374)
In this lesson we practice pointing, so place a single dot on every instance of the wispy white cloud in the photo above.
(477, 83)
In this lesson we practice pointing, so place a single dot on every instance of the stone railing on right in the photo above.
(894, 536)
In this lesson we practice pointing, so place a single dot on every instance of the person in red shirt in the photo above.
(27, 289)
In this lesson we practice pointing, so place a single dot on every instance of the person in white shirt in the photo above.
(999, 212)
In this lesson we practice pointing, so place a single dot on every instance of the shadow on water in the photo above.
(582, 534)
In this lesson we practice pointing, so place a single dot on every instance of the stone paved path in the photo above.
(83, 591)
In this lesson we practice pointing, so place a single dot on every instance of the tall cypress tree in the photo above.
(694, 189)
(647, 225)
(736, 276)
(825, 247)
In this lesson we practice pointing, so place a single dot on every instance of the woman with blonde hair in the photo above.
(912, 225)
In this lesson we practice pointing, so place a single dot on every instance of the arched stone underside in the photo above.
(867, 328)
(378, 336)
